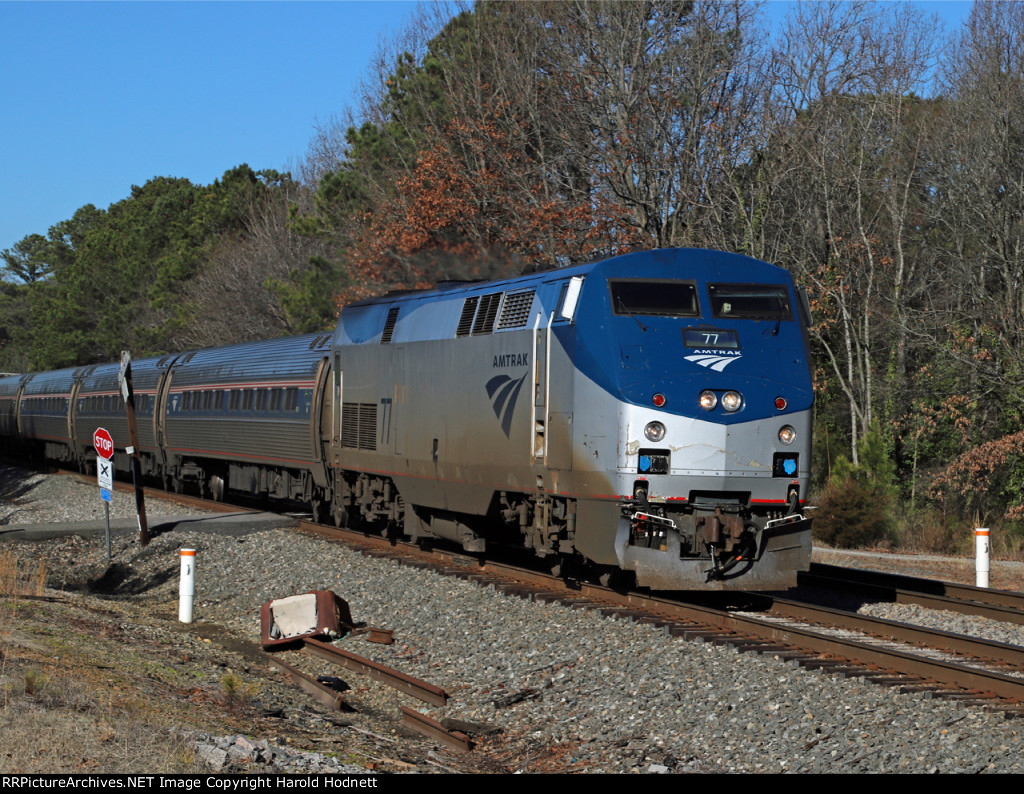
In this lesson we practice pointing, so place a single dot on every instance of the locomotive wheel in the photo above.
(616, 579)
(566, 566)
(320, 509)
(340, 516)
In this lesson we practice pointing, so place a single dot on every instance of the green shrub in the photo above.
(852, 513)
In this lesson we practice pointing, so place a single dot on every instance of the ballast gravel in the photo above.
(40, 498)
(604, 694)
(624, 697)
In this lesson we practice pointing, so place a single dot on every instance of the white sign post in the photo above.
(105, 472)
(105, 477)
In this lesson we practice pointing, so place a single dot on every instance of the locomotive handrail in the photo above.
(547, 385)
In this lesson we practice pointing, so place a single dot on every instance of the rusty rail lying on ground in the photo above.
(324, 694)
(435, 730)
(421, 690)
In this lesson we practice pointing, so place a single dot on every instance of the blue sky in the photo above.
(99, 96)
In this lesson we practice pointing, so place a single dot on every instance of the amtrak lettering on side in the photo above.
(511, 360)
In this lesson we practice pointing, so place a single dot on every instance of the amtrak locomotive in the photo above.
(648, 414)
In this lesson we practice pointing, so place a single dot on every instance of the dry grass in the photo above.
(932, 533)
(17, 578)
(21, 577)
(53, 720)
(66, 700)
(57, 718)
(45, 735)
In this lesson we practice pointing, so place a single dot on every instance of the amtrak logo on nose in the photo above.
(504, 391)
(713, 361)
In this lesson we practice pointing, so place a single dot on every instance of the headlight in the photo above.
(732, 401)
(655, 431)
(787, 435)
(708, 400)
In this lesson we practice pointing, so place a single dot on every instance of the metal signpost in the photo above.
(105, 472)
(128, 393)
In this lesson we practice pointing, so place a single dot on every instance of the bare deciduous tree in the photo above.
(236, 296)
(844, 77)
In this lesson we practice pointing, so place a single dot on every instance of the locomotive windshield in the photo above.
(664, 298)
(750, 302)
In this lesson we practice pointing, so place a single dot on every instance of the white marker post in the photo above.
(981, 564)
(187, 587)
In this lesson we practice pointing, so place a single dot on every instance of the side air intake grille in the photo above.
(389, 326)
(515, 311)
(485, 315)
(466, 320)
(359, 426)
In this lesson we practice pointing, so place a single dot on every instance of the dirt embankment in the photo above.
(110, 682)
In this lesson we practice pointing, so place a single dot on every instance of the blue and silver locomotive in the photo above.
(648, 414)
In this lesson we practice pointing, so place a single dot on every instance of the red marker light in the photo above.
(658, 400)
(780, 403)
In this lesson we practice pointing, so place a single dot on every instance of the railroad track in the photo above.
(1002, 605)
(911, 658)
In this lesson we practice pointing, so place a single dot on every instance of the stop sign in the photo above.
(104, 443)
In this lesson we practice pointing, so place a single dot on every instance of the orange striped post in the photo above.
(187, 586)
(981, 563)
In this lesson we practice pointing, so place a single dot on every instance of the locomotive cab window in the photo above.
(568, 298)
(654, 298)
(750, 302)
